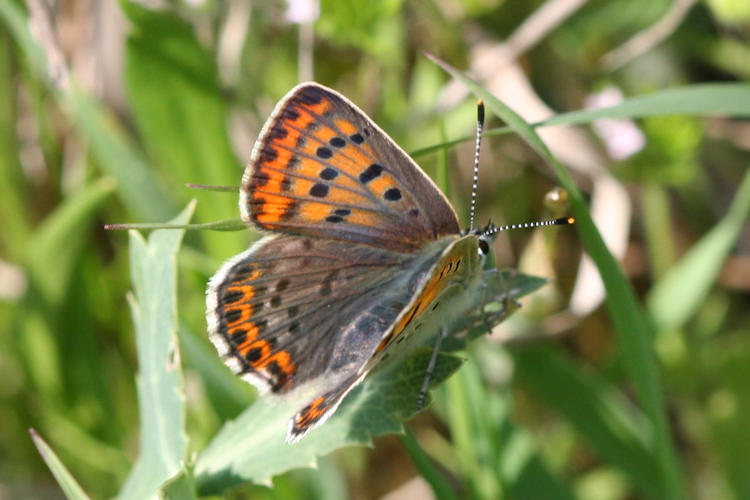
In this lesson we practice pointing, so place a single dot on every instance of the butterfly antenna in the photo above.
(475, 180)
(492, 230)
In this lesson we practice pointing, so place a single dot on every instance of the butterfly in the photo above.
(361, 252)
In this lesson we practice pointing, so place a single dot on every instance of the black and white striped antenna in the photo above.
(475, 180)
(492, 229)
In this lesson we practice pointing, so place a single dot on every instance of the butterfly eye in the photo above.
(484, 247)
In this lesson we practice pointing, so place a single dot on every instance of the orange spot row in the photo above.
(311, 413)
(251, 333)
(246, 312)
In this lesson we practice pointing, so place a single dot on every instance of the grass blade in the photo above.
(628, 319)
(675, 297)
(69, 485)
(427, 469)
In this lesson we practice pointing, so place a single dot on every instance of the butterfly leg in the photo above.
(430, 368)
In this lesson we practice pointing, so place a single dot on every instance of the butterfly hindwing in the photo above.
(293, 310)
(274, 310)
(322, 168)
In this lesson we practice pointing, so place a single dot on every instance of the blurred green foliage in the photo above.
(160, 98)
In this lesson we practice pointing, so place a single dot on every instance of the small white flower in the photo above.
(621, 137)
(302, 11)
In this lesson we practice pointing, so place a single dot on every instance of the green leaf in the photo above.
(628, 319)
(675, 298)
(180, 487)
(159, 382)
(69, 485)
(252, 448)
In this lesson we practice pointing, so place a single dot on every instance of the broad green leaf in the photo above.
(56, 244)
(628, 319)
(159, 383)
(252, 448)
(69, 485)
(180, 487)
(676, 297)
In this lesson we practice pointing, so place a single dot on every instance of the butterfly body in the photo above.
(363, 258)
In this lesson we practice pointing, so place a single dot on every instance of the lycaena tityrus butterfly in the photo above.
(362, 251)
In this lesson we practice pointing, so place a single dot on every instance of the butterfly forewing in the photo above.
(322, 168)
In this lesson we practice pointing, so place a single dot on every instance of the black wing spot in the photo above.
(276, 301)
(233, 315)
(319, 190)
(370, 173)
(268, 154)
(278, 132)
(334, 219)
(254, 354)
(393, 194)
(357, 138)
(232, 297)
(293, 163)
(311, 95)
(238, 337)
(282, 285)
(337, 142)
(342, 212)
(260, 179)
(324, 152)
(290, 114)
(328, 173)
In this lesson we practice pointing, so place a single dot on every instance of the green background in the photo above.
(110, 108)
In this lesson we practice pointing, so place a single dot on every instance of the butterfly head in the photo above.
(487, 234)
